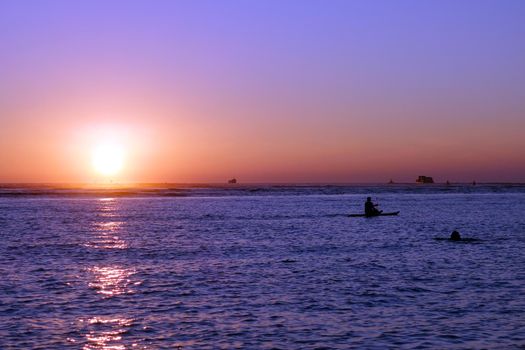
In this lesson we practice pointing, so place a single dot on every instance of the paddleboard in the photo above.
(382, 214)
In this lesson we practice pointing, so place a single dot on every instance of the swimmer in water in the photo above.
(455, 236)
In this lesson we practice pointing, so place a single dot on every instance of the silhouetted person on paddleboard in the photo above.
(370, 208)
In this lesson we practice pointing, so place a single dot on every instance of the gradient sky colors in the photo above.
(266, 91)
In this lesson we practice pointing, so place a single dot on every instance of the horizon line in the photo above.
(52, 183)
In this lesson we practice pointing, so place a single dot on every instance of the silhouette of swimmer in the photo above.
(370, 208)
(455, 236)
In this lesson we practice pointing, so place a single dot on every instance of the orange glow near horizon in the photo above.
(162, 150)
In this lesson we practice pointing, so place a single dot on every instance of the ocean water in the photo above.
(261, 267)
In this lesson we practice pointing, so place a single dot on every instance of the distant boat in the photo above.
(448, 183)
(390, 182)
(232, 181)
(425, 180)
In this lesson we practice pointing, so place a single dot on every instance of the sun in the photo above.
(108, 158)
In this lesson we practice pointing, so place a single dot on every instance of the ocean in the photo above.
(261, 267)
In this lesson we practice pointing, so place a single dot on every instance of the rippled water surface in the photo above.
(271, 271)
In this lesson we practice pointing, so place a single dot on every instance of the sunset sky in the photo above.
(265, 91)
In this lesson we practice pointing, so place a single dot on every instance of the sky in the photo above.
(264, 91)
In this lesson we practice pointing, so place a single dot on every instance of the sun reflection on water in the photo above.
(107, 232)
(109, 280)
(112, 280)
(107, 206)
(106, 332)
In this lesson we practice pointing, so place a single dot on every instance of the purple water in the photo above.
(261, 267)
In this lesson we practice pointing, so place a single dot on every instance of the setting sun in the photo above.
(108, 159)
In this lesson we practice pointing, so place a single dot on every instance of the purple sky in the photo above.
(267, 91)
